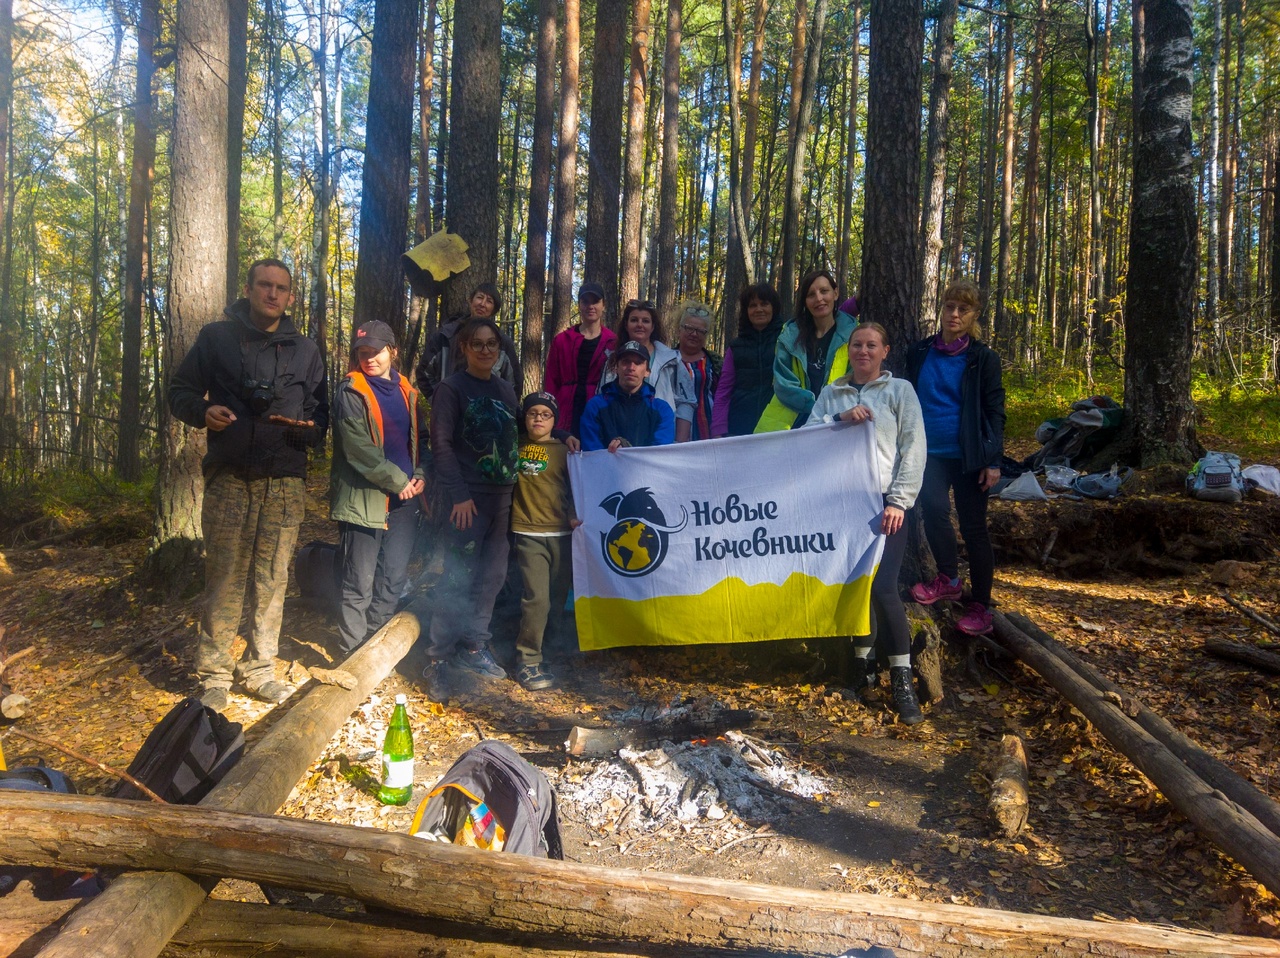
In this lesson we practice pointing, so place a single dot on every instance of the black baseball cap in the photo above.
(590, 289)
(375, 334)
(631, 348)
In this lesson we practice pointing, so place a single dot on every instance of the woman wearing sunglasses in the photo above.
(671, 382)
(693, 324)
(811, 353)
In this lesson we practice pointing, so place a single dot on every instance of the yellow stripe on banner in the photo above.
(730, 611)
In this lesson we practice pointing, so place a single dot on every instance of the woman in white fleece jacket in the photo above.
(869, 392)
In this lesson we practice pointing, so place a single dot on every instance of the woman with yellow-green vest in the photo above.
(811, 353)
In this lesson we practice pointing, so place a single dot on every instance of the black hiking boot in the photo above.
(905, 702)
(862, 678)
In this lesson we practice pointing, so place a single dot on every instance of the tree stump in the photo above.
(926, 645)
(1008, 802)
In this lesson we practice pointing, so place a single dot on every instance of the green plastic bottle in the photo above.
(397, 758)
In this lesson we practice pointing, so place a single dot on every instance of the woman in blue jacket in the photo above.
(958, 380)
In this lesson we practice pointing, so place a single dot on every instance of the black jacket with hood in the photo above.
(226, 354)
(981, 402)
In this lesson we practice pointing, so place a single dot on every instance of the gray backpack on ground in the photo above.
(492, 798)
(1216, 478)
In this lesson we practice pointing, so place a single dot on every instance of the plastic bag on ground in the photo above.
(1023, 489)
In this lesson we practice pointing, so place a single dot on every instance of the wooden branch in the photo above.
(235, 929)
(539, 897)
(81, 757)
(1226, 824)
(1243, 652)
(679, 725)
(140, 912)
(1008, 801)
(8, 660)
(1265, 621)
(1219, 775)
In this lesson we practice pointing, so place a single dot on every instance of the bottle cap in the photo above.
(400, 698)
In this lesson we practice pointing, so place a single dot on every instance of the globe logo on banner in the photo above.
(636, 543)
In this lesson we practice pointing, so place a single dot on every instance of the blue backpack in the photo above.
(1216, 477)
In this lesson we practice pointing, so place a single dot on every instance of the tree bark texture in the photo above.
(128, 460)
(843, 243)
(535, 252)
(1031, 191)
(198, 246)
(238, 74)
(633, 177)
(525, 895)
(1008, 799)
(1159, 415)
(890, 217)
(740, 267)
(426, 84)
(562, 239)
(472, 187)
(1220, 820)
(388, 152)
(935, 176)
(604, 151)
(1243, 652)
(670, 155)
(142, 910)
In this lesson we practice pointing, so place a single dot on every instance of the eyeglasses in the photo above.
(535, 416)
(696, 330)
(484, 345)
(640, 304)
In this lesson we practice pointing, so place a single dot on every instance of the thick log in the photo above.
(1008, 801)
(1241, 652)
(1218, 774)
(532, 896)
(140, 912)
(1222, 821)
(234, 929)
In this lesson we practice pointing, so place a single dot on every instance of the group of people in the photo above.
(499, 465)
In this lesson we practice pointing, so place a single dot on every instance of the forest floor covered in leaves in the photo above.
(850, 800)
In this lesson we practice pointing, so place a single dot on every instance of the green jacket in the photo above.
(362, 479)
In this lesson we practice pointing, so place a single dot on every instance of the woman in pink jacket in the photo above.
(577, 358)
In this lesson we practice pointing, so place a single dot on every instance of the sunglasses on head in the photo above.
(640, 304)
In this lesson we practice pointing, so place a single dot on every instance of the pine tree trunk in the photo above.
(850, 156)
(276, 86)
(426, 84)
(936, 161)
(667, 190)
(633, 177)
(9, 327)
(1009, 138)
(604, 151)
(535, 254)
(238, 72)
(388, 151)
(1031, 189)
(1160, 417)
(987, 159)
(473, 145)
(198, 254)
(889, 294)
(128, 461)
(562, 245)
(797, 158)
(321, 179)
(740, 263)
(751, 122)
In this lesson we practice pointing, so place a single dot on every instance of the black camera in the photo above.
(258, 395)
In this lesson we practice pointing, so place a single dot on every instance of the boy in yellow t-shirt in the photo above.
(541, 514)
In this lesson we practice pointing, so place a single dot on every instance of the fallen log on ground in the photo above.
(1222, 821)
(1008, 801)
(1242, 652)
(538, 897)
(1265, 621)
(234, 929)
(140, 912)
(1218, 774)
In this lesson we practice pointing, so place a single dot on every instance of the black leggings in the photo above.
(942, 477)
(891, 618)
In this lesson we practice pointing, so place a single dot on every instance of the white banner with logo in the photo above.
(742, 539)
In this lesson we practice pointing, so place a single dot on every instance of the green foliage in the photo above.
(1046, 393)
(1240, 419)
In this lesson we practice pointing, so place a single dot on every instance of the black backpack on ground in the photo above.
(187, 754)
(492, 798)
(48, 884)
(317, 569)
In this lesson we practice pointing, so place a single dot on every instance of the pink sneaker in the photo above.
(976, 620)
(940, 589)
